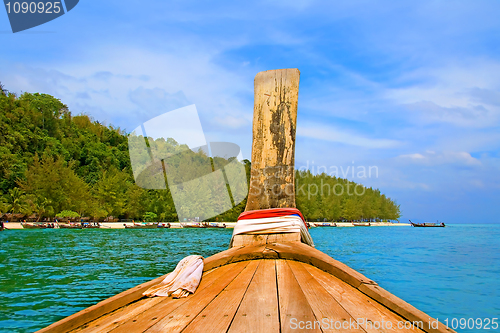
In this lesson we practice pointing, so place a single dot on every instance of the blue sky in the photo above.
(410, 87)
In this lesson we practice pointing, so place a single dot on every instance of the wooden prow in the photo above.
(272, 181)
(266, 280)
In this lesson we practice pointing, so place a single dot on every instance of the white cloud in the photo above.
(465, 94)
(183, 125)
(415, 156)
(486, 96)
(476, 183)
(232, 122)
(327, 133)
(472, 116)
(156, 101)
(128, 95)
(445, 157)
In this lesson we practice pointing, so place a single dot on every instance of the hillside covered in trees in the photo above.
(54, 163)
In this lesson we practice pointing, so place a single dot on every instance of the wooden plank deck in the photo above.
(264, 295)
(276, 287)
(261, 295)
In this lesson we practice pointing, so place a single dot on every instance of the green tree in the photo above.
(67, 214)
(110, 191)
(54, 180)
(135, 200)
(150, 217)
(17, 201)
(40, 206)
(4, 206)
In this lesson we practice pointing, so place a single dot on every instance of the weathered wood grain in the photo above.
(272, 182)
(233, 255)
(294, 307)
(146, 319)
(291, 251)
(330, 315)
(371, 316)
(114, 319)
(404, 309)
(258, 311)
(304, 253)
(178, 319)
(108, 305)
(252, 240)
(217, 316)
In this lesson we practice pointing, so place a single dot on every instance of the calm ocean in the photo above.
(46, 275)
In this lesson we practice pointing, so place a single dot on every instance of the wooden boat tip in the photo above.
(263, 281)
(284, 252)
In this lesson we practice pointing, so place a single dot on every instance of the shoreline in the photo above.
(229, 225)
(375, 224)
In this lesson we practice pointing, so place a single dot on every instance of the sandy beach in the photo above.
(229, 225)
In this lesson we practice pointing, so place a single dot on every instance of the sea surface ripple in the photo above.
(46, 275)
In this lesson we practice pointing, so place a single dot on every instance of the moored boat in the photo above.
(70, 225)
(193, 225)
(361, 224)
(325, 224)
(428, 224)
(215, 225)
(90, 225)
(38, 225)
(142, 226)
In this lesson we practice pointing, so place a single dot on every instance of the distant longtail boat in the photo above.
(428, 225)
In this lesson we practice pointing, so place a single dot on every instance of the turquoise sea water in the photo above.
(46, 275)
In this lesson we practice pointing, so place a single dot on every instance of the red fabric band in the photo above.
(272, 212)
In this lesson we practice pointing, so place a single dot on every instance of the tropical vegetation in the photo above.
(53, 163)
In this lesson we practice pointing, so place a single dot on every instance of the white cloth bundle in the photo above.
(182, 281)
(279, 224)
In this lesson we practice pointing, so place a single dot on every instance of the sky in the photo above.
(410, 88)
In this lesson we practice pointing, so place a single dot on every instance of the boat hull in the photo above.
(428, 225)
(142, 226)
(36, 226)
(244, 287)
(185, 225)
(69, 226)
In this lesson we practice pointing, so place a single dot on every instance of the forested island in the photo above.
(53, 163)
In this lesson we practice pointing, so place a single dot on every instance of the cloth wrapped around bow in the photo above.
(182, 281)
(273, 220)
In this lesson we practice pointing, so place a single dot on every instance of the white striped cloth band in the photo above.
(279, 224)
